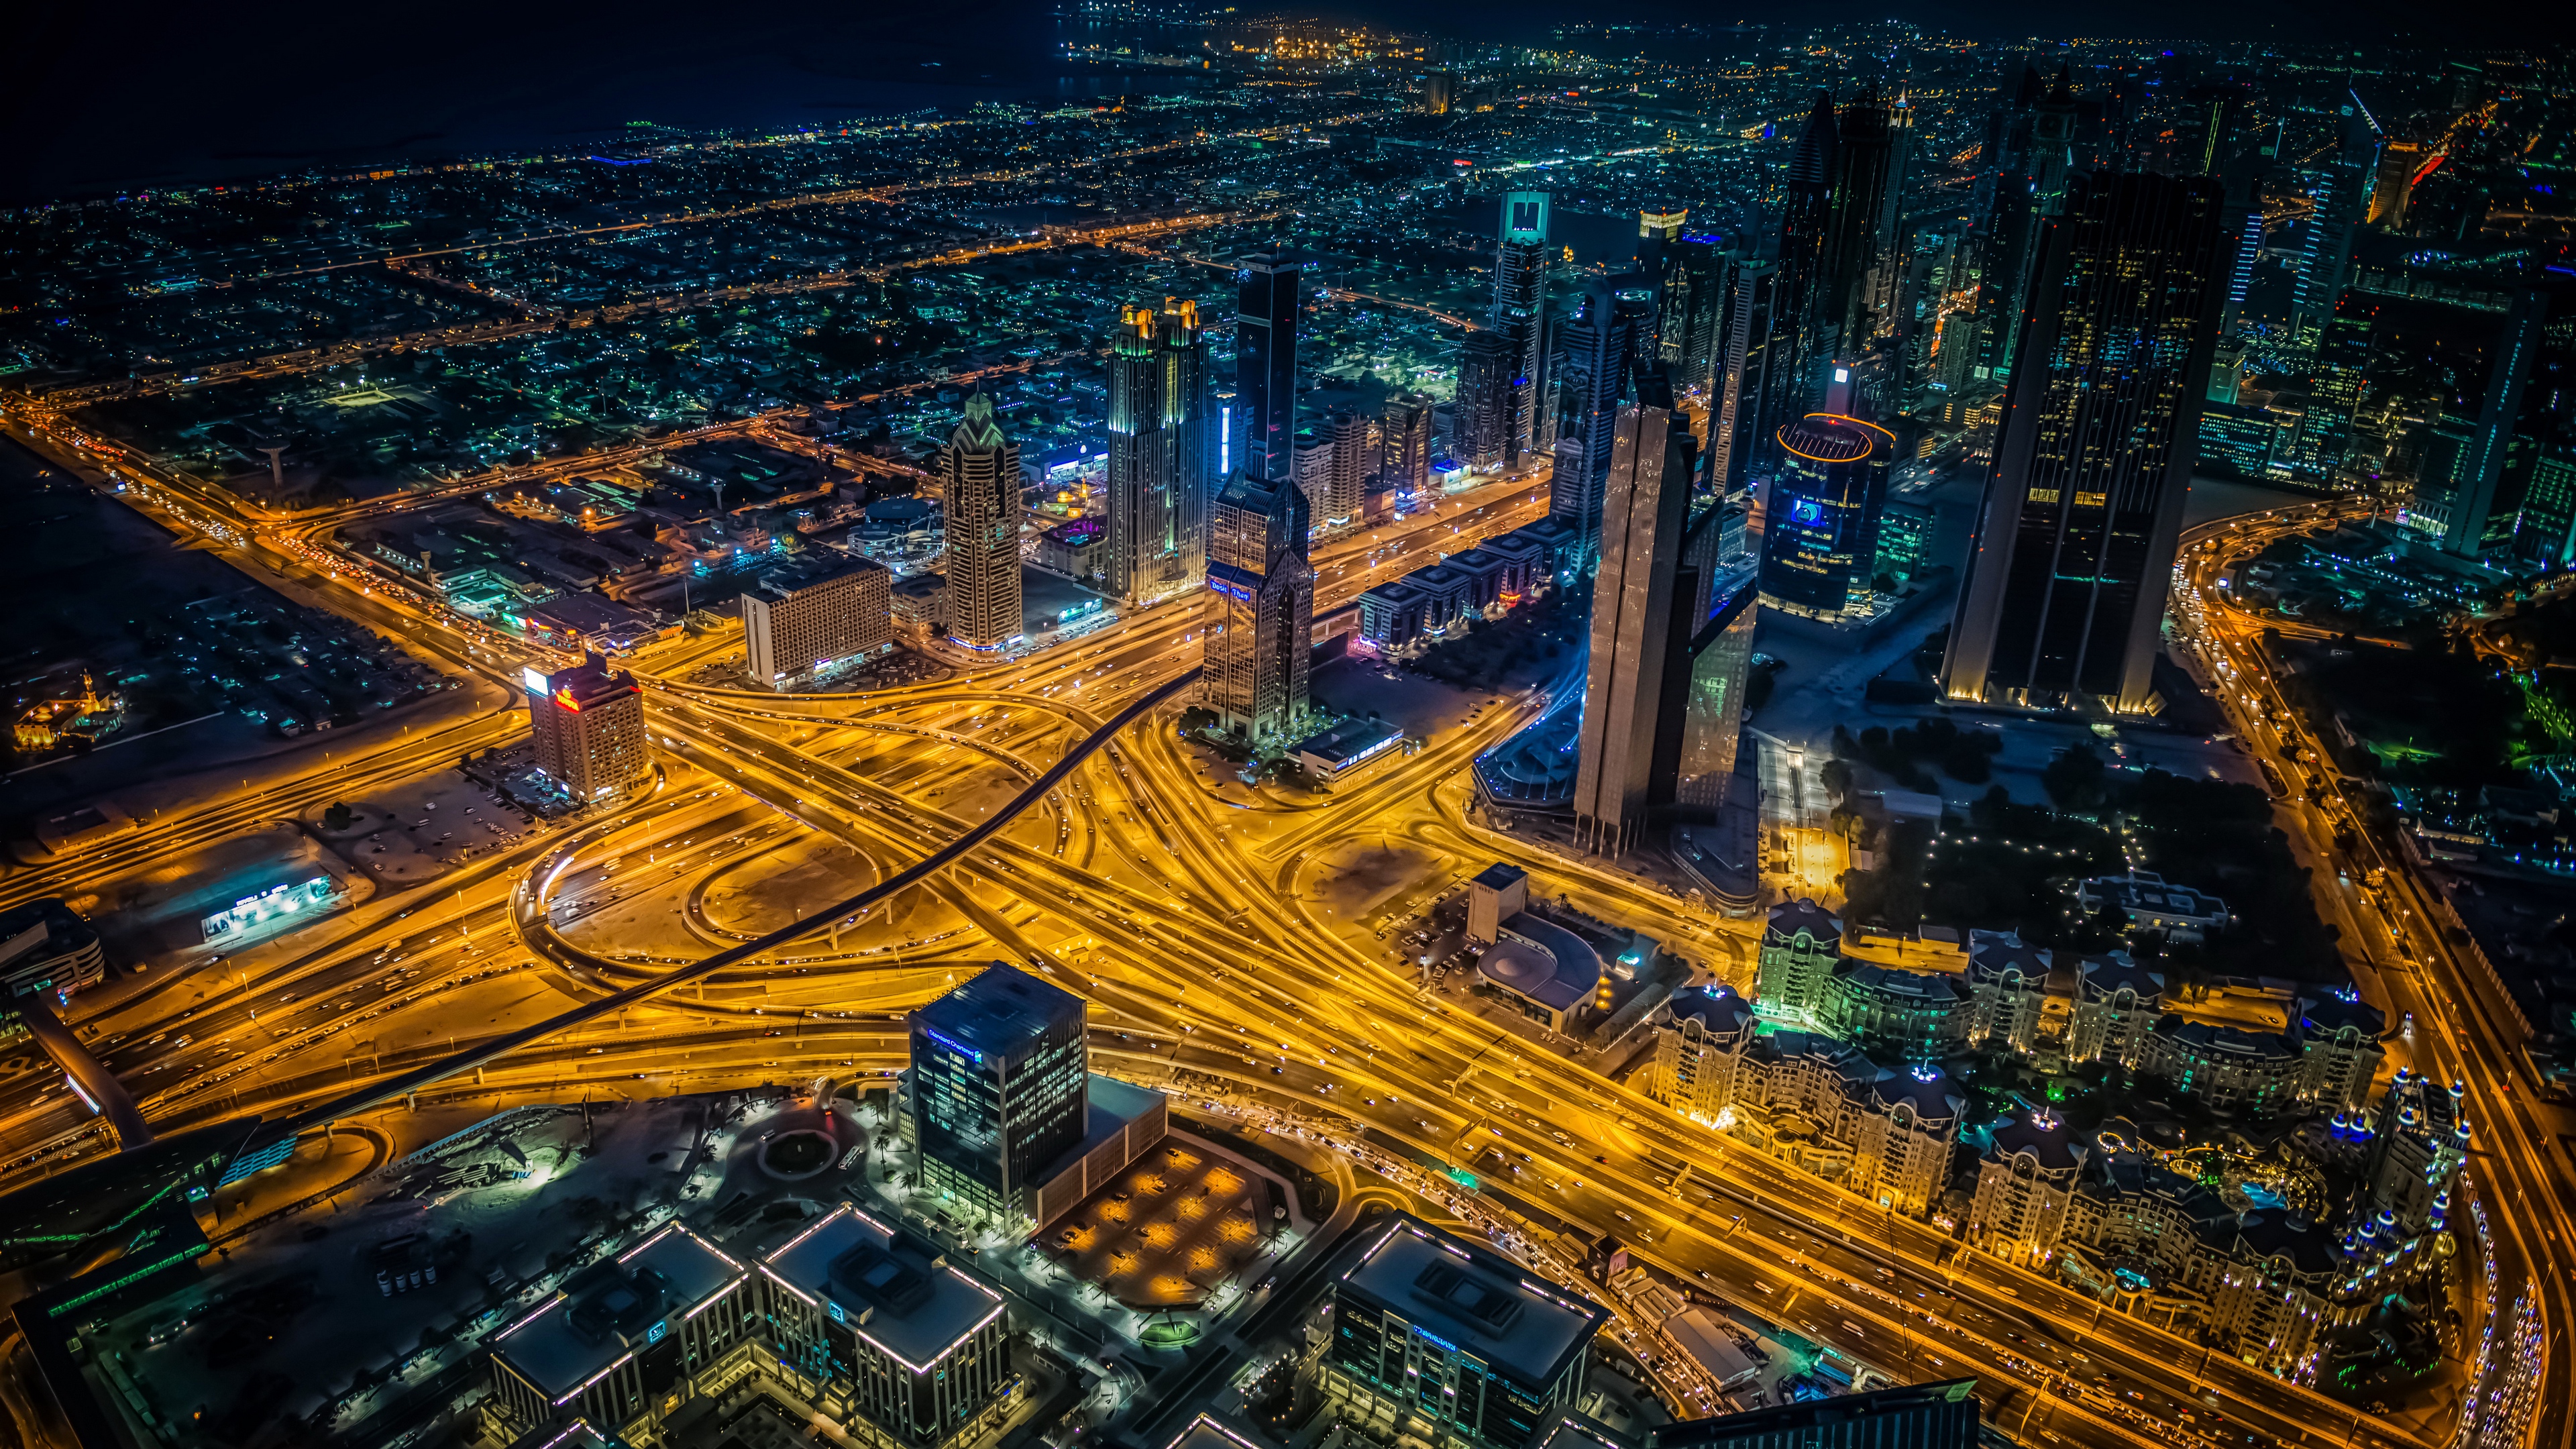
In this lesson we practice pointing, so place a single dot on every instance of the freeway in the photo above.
(1039, 825)
(2463, 1029)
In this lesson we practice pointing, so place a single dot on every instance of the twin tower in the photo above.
(1201, 493)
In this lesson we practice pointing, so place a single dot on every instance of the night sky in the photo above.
(104, 97)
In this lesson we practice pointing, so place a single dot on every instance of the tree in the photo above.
(2075, 779)
(338, 817)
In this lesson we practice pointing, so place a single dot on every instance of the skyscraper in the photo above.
(2469, 487)
(1633, 619)
(2340, 187)
(979, 476)
(1860, 223)
(1405, 445)
(1159, 454)
(1519, 322)
(1601, 343)
(1333, 469)
(1710, 719)
(1265, 365)
(2074, 545)
(1690, 298)
(1749, 341)
(1484, 406)
(2032, 151)
(999, 1088)
(1258, 646)
(1820, 531)
(588, 727)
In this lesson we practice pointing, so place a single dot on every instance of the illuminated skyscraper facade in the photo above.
(999, 1087)
(1632, 645)
(1601, 349)
(588, 727)
(1159, 453)
(2074, 548)
(1508, 372)
(1269, 292)
(1820, 536)
(1259, 642)
(979, 476)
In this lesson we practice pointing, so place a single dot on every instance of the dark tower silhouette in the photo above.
(2075, 541)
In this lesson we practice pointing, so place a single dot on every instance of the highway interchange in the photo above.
(1193, 917)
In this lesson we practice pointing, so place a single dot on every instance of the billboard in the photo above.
(1525, 216)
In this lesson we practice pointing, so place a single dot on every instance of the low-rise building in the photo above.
(897, 1336)
(1814, 1102)
(2007, 990)
(2117, 1002)
(1441, 1339)
(1333, 753)
(1920, 1016)
(2025, 1180)
(817, 611)
(46, 946)
(621, 1343)
(2252, 1073)
(1801, 945)
(2182, 913)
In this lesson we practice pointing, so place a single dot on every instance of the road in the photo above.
(1205, 933)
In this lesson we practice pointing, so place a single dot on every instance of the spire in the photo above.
(2061, 91)
(1812, 162)
(978, 432)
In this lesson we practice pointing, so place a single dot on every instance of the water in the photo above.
(209, 97)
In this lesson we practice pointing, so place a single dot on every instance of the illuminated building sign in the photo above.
(1234, 591)
(276, 903)
(535, 681)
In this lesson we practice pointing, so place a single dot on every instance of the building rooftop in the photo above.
(1715, 1007)
(1926, 988)
(1207, 1431)
(2145, 892)
(1348, 741)
(1993, 953)
(1947, 1411)
(610, 1311)
(812, 571)
(2104, 975)
(1475, 1300)
(2046, 1140)
(587, 683)
(895, 1290)
(1548, 964)
(1500, 876)
(997, 1011)
(1791, 917)
(1113, 1104)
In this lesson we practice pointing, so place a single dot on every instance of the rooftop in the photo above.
(998, 1011)
(1474, 1300)
(605, 1315)
(1348, 741)
(1546, 963)
(823, 566)
(893, 1289)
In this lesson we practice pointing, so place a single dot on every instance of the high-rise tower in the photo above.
(1637, 605)
(979, 476)
(2074, 547)
(1519, 318)
(1258, 646)
(1602, 343)
(1159, 454)
(1265, 366)
(1750, 340)
(588, 725)
(1820, 528)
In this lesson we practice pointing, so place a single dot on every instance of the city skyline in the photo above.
(1536, 730)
